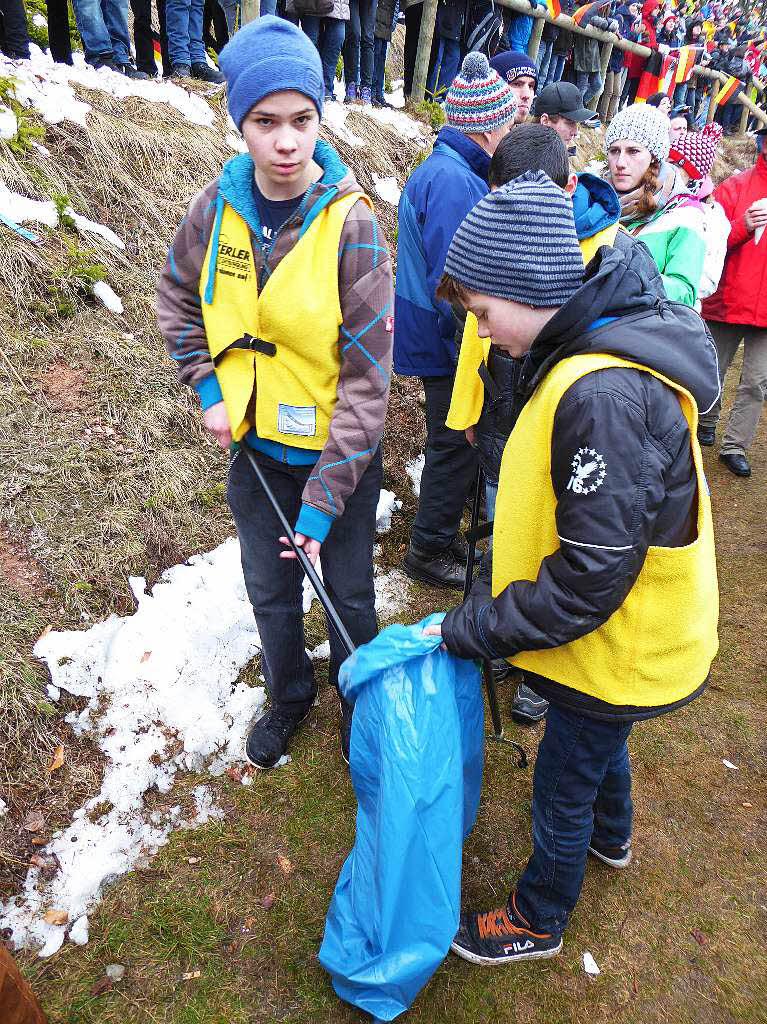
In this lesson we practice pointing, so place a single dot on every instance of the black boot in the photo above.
(205, 73)
(736, 462)
(268, 739)
(439, 570)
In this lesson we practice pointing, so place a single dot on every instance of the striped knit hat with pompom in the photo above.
(478, 100)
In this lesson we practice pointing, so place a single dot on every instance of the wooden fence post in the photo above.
(712, 104)
(743, 120)
(535, 39)
(425, 37)
(249, 10)
(605, 52)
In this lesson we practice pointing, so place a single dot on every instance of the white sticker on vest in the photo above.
(589, 471)
(297, 419)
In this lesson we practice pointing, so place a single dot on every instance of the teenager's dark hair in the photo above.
(655, 99)
(529, 147)
(649, 183)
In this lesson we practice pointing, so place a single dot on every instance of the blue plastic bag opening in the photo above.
(416, 756)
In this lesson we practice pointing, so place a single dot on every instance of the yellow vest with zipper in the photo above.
(468, 393)
(657, 648)
(297, 315)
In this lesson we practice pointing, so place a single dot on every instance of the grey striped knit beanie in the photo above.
(519, 243)
(478, 100)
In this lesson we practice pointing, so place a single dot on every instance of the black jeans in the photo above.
(14, 39)
(448, 473)
(274, 585)
(58, 31)
(143, 37)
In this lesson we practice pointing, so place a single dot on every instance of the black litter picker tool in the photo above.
(472, 535)
(306, 565)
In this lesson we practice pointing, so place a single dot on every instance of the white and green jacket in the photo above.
(676, 238)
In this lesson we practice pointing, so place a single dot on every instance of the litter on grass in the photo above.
(110, 299)
(590, 964)
(388, 503)
(729, 764)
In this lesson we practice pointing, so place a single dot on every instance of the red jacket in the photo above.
(741, 297)
(634, 62)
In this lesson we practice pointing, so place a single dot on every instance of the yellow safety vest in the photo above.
(292, 326)
(657, 648)
(468, 391)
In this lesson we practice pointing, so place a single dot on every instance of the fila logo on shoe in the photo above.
(518, 947)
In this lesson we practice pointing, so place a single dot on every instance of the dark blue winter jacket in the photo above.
(437, 196)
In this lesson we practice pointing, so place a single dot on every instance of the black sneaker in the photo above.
(347, 710)
(179, 71)
(527, 707)
(706, 436)
(502, 936)
(107, 62)
(615, 856)
(206, 73)
(440, 570)
(268, 739)
(133, 72)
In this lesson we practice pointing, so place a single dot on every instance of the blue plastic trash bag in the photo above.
(416, 757)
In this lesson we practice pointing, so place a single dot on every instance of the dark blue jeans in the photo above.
(556, 67)
(358, 45)
(327, 34)
(581, 786)
(446, 66)
(103, 28)
(379, 67)
(545, 52)
(274, 585)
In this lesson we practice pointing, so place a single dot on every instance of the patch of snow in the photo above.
(40, 149)
(83, 224)
(110, 299)
(321, 652)
(392, 592)
(41, 83)
(414, 470)
(163, 696)
(236, 142)
(401, 123)
(53, 691)
(9, 126)
(397, 95)
(78, 933)
(115, 972)
(334, 116)
(387, 189)
(40, 20)
(308, 591)
(21, 210)
(285, 759)
(388, 503)
(590, 964)
(3, 807)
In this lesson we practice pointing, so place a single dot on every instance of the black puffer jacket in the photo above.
(649, 494)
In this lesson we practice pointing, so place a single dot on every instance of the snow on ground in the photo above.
(162, 696)
(22, 210)
(334, 116)
(105, 294)
(41, 83)
(9, 126)
(3, 807)
(335, 112)
(83, 224)
(387, 189)
(414, 469)
(388, 503)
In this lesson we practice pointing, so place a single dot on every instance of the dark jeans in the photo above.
(581, 786)
(327, 34)
(446, 65)
(144, 39)
(448, 473)
(14, 39)
(630, 88)
(556, 67)
(358, 45)
(543, 60)
(274, 585)
(58, 31)
(379, 67)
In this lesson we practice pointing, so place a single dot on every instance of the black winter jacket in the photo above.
(649, 497)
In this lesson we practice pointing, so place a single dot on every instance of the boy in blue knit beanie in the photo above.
(275, 303)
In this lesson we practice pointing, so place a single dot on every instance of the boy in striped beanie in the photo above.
(479, 107)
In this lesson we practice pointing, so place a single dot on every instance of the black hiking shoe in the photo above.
(206, 73)
(133, 72)
(501, 936)
(268, 739)
(460, 550)
(347, 711)
(736, 463)
(615, 856)
(706, 436)
(527, 707)
(179, 72)
(106, 62)
(440, 570)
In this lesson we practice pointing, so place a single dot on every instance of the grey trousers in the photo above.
(752, 388)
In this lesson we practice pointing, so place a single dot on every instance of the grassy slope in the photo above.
(81, 512)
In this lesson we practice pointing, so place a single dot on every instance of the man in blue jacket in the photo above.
(479, 108)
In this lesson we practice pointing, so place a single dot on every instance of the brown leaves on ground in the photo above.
(56, 917)
(34, 822)
(285, 864)
(58, 759)
(104, 984)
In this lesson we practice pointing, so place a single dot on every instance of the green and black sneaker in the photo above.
(502, 936)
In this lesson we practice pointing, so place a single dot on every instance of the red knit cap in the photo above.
(695, 151)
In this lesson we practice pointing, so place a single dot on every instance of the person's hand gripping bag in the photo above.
(416, 757)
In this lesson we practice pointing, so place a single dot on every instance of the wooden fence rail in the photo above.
(607, 39)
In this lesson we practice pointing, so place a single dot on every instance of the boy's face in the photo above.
(513, 326)
(524, 90)
(566, 129)
(280, 133)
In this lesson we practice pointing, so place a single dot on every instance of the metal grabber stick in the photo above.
(306, 565)
(487, 668)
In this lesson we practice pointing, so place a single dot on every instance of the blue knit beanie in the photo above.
(269, 55)
(512, 64)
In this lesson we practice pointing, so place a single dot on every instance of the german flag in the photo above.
(156, 44)
(584, 14)
(686, 62)
(729, 90)
(554, 8)
(652, 77)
